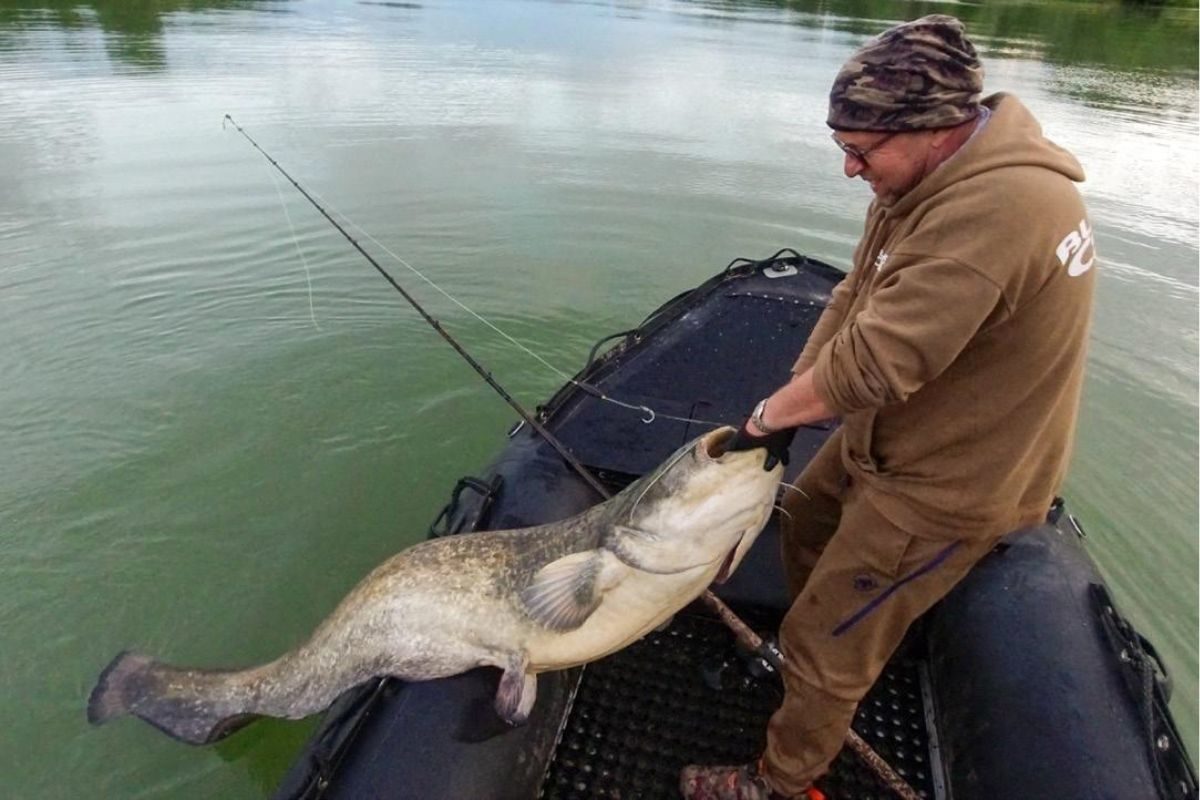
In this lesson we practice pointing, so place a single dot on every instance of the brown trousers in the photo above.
(858, 582)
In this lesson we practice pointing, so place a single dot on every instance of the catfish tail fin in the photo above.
(108, 698)
(175, 701)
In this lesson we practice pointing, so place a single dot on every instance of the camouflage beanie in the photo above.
(918, 75)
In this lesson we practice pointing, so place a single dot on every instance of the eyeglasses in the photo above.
(858, 152)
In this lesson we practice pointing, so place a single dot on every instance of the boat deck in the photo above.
(688, 694)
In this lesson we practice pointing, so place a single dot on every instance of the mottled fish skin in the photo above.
(526, 601)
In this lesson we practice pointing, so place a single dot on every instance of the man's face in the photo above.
(892, 163)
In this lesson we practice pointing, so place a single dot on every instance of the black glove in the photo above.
(776, 443)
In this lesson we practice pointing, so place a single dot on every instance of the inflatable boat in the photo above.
(1025, 681)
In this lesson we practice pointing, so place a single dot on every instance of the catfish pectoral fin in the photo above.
(564, 593)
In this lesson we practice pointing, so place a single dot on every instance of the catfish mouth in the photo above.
(727, 565)
(716, 443)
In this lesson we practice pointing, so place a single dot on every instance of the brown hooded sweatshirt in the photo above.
(954, 350)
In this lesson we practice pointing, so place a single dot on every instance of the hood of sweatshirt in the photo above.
(1011, 138)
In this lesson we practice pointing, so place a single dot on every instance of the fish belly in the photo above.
(629, 611)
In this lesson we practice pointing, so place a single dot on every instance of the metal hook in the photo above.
(649, 411)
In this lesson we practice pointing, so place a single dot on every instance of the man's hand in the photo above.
(750, 436)
(793, 404)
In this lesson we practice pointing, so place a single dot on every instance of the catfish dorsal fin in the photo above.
(564, 593)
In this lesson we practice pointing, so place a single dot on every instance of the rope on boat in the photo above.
(768, 652)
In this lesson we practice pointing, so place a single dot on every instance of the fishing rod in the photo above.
(767, 651)
(437, 326)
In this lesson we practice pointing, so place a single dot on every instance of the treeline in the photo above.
(1110, 33)
(1120, 34)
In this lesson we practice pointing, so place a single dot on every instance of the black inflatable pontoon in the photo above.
(1024, 682)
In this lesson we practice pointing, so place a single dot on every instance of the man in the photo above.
(953, 353)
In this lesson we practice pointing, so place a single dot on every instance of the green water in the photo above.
(199, 463)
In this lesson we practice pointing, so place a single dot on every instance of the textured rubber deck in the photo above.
(685, 695)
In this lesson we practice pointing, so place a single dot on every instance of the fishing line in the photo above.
(550, 438)
(312, 314)
(650, 415)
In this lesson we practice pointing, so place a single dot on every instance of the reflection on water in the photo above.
(134, 28)
(1120, 36)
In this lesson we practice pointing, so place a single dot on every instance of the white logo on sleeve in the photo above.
(880, 260)
(1075, 247)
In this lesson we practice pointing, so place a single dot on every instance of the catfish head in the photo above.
(704, 506)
